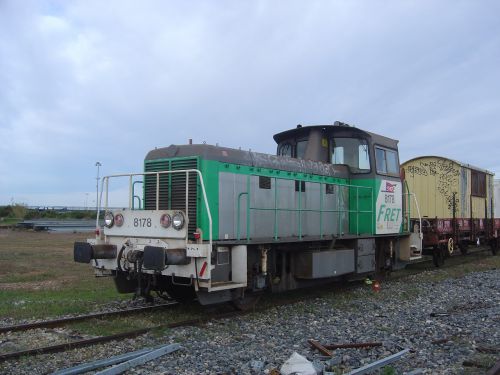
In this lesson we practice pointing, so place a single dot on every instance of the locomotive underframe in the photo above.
(229, 270)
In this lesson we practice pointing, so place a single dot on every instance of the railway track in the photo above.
(62, 321)
(188, 322)
(118, 336)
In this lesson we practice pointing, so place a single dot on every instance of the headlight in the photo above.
(165, 220)
(108, 219)
(119, 220)
(178, 220)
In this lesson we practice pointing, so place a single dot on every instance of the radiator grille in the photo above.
(172, 189)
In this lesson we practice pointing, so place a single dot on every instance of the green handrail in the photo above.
(321, 209)
(275, 209)
(300, 209)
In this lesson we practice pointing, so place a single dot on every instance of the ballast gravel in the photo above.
(442, 322)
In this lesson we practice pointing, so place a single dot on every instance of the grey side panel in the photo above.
(287, 220)
(230, 187)
(365, 261)
(262, 214)
(321, 264)
(222, 262)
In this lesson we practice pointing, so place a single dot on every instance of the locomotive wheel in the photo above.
(182, 294)
(451, 246)
(438, 256)
(247, 302)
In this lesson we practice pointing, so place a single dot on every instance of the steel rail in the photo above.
(118, 336)
(72, 345)
(62, 321)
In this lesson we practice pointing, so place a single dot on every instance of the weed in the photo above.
(388, 370)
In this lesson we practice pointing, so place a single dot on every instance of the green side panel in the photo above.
(210, 172)
(362, 196)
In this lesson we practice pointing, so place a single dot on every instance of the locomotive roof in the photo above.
(250, 158)
(341, 130)
(465, 165)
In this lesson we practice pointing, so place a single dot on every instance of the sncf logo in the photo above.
(389, 188)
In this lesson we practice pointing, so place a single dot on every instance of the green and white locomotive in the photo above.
(221, 224)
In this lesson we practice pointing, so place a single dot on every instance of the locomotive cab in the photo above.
(337, 144)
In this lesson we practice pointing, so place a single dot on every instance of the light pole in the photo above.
(97, 164)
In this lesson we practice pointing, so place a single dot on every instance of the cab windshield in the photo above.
(352, 152)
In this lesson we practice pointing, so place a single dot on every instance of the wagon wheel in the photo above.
(451, 246)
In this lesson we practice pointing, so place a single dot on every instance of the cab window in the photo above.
(301, 149)
(352, 152)
(387, 161)
(285, 149)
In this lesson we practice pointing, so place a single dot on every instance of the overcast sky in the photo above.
(87, 81)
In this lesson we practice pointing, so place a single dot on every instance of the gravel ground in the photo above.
(399, 316)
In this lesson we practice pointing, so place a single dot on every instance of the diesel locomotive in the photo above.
(220, 224)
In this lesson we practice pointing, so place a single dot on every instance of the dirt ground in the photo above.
(36, 260)
(38, 277)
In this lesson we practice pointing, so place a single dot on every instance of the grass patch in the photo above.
(8, 221)
(39, 278)
(29, 277)
(44, 303)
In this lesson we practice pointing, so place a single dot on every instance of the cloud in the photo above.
(87, 80)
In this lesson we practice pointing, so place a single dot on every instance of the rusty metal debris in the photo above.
(353, 345)
(488, 349)
(325, 349)
(468, 363)
(320, 347)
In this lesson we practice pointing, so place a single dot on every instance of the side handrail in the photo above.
(300, 209)
(421, 235)
(105, 190)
